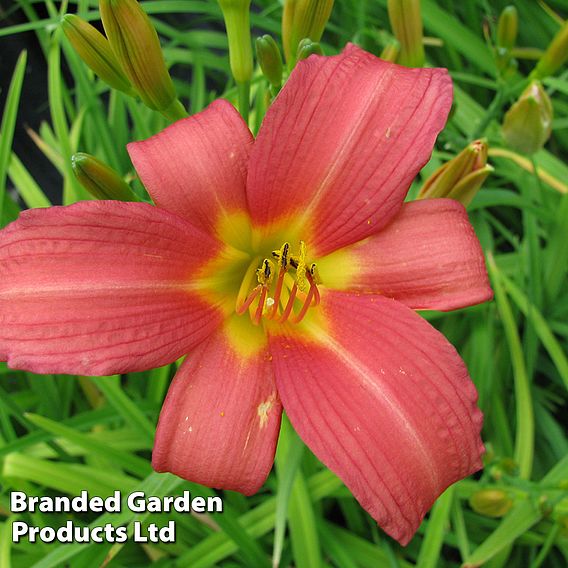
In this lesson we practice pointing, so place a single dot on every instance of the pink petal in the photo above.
(427, 257)
(341, 144)
(100, 288)
(197, 167)
(384, 401)
(221, 418)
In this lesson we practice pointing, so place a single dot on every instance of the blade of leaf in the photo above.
(9, 123)
(288, 457)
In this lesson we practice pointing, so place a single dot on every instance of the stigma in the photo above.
(281, 288)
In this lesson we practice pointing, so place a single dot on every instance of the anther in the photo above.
(265, 272)
(282, 255)
(314, 280)
(315, 273)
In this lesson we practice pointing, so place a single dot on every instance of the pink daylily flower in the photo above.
(287, 268)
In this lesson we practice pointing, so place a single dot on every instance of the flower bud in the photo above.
(100, 180)
(555, 56)
(390, 51)
(303, 19)
(528, 123)
(461, 177)
(270, 60)
(137, 48)
(237, 21)
(406, 24)
(491, 502)
(287, 24)
(507, 28)
(95, 50)
(308, 47)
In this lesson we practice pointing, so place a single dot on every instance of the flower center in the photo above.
(282, 288)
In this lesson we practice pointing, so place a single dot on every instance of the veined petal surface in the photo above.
(341, 144)
(197, 167)
(428, 257)
(221, 418)
(384, 401)
(99, 288)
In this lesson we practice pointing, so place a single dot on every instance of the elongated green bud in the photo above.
(137, 48)
(461, 177)
(287, 25)
(270, 60)
(555, 56)
(406, 24)
(390, 51)
(236, 14)
(507, 28)
(303, 19)
(308, 47)
(100, 180)
(491, 502)
(528, 123)
(95, 50)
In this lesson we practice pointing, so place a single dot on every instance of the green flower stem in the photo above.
(491, 113)
(244, 99)
(533, 271)
(524, 439)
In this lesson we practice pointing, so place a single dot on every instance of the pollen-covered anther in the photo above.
(314, 279)
(265, 276)
(276, 297)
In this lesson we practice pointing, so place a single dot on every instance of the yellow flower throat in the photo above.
(282, 288)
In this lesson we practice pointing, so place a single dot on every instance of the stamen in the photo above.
(246, 284)
(307, 303)
(276, 301)
(299, 263)
(289, 305)
(258, 314)
(277, 294)
(314, 289)
(244, 306)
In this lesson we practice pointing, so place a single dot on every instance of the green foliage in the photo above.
(59, 435)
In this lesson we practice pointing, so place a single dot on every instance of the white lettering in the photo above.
(214, 505)
(96, 534)
(121, 534)
(137, 534)
(18, 502)
(136, 502)
(96, 505)
(168, 533)
(112, 504)
(47, 534)
(198, 504)
(19, 528)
